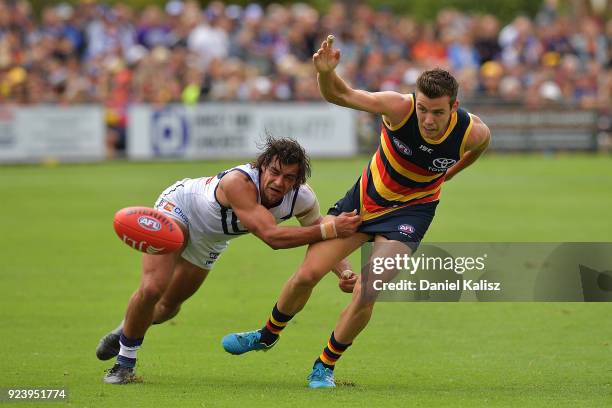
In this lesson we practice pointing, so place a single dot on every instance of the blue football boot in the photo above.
(240, 343)
(321, 377)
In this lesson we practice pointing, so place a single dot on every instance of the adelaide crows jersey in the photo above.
(409, 169)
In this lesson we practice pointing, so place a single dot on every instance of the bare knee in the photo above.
(363, 299)
(151, 292)
(156, 275)
(307, 277)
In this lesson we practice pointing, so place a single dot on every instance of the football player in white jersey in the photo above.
(253, 198)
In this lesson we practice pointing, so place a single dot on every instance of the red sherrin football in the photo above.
(148, 230)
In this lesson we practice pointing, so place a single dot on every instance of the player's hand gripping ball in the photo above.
(148, 230)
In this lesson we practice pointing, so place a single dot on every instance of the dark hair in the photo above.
(286, 151)
(437, 83)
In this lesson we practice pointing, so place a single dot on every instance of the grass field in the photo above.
(65, 279)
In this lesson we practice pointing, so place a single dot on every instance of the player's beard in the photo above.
(271, 195)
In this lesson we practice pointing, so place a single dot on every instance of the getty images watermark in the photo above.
(451, 272)
(412, 264)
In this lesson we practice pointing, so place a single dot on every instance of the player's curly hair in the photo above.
(437, 83)
(286, 151)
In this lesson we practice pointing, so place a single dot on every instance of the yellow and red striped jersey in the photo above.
(409, 169)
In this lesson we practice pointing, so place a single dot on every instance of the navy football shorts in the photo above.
(407, 224)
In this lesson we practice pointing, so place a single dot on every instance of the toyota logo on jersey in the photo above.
(443, 164)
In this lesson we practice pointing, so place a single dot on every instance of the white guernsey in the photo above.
(211, 225)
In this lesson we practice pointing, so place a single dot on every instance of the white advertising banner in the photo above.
(235, 130)
(29, 134)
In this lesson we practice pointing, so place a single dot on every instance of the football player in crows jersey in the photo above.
(425, 140)
(253, 198)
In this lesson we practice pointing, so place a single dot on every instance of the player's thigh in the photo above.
(160, 267)
(322, 256)
(186, 280)
(389, 248)
(382, 249)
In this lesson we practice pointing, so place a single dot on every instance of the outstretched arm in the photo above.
(393, 106)
(241, 195)
(342, 269)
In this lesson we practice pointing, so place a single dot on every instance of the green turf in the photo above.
(65, 280)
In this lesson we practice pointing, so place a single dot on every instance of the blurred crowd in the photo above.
(186, 53)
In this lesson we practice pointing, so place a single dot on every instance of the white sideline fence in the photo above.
(234, 130)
